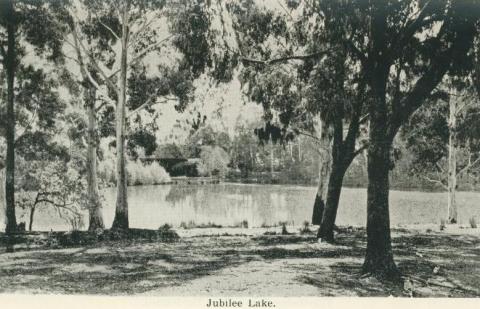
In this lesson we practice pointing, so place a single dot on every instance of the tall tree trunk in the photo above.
(335, 182)
(95, 206)
(379, 257)
(325, 168)
(121, 209)
(271, 160)
(32, 213)
(452, 162)
(2, 191)
(10, 61)
(340, 162)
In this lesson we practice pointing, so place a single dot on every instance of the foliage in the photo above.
(146, 174)
(138, 173)
(427, 138)
(57, 185)
(214, 161)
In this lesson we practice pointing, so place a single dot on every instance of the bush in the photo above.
(305, 229)
(284, 228)
(151, 174)
(137, 173)
(213, 161)
(242, 224)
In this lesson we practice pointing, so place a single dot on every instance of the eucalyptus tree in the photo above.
(405, 49)
(25, 28)
(175, 31)
(444, 139)
(306, 89)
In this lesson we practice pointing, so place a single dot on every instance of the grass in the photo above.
(242, 265)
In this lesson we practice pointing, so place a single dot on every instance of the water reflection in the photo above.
(223, 204)
(230, 204)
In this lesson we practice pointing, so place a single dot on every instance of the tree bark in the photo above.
(32, 213)
(379, 256)
(452, 162)
(327, 225)
(120, 221)
(2, 191)
(342, 155)
(271, 160)
(95, 206)
(89, 88)
(10, 65)
(325, 168)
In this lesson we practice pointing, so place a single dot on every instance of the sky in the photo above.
(223, 105)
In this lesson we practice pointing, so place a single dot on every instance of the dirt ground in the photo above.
(245, 262)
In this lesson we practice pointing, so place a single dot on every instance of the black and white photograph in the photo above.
(240, 151)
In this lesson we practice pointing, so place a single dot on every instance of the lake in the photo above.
(228, 204)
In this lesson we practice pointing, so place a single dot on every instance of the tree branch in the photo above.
(309, 135)
(148, 103)
(110, 30)
(93, 61)
(435, 181)
(148, 49)
(359, 150)
(410, 28)
(318, 54)
(134, 37)
(431, 78)
(469, 166)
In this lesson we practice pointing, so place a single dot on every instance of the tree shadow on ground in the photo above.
(440, 265)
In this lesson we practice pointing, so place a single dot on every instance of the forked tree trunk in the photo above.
(379, 257)
(94, 205)
(452, 162)
(10, 61)
(121, 208)
(340, 155)
(325, 168)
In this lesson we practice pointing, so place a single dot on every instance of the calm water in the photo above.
(229, 204)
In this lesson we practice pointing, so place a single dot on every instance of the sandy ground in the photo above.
(245, 262)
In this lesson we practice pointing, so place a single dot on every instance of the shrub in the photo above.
(137, 173)
(151, 174)
(243, 224)
(214, 161)
(305, 229)
(284, 228)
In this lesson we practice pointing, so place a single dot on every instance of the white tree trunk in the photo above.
(95, 205)
(121, 209)
(452, 162)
